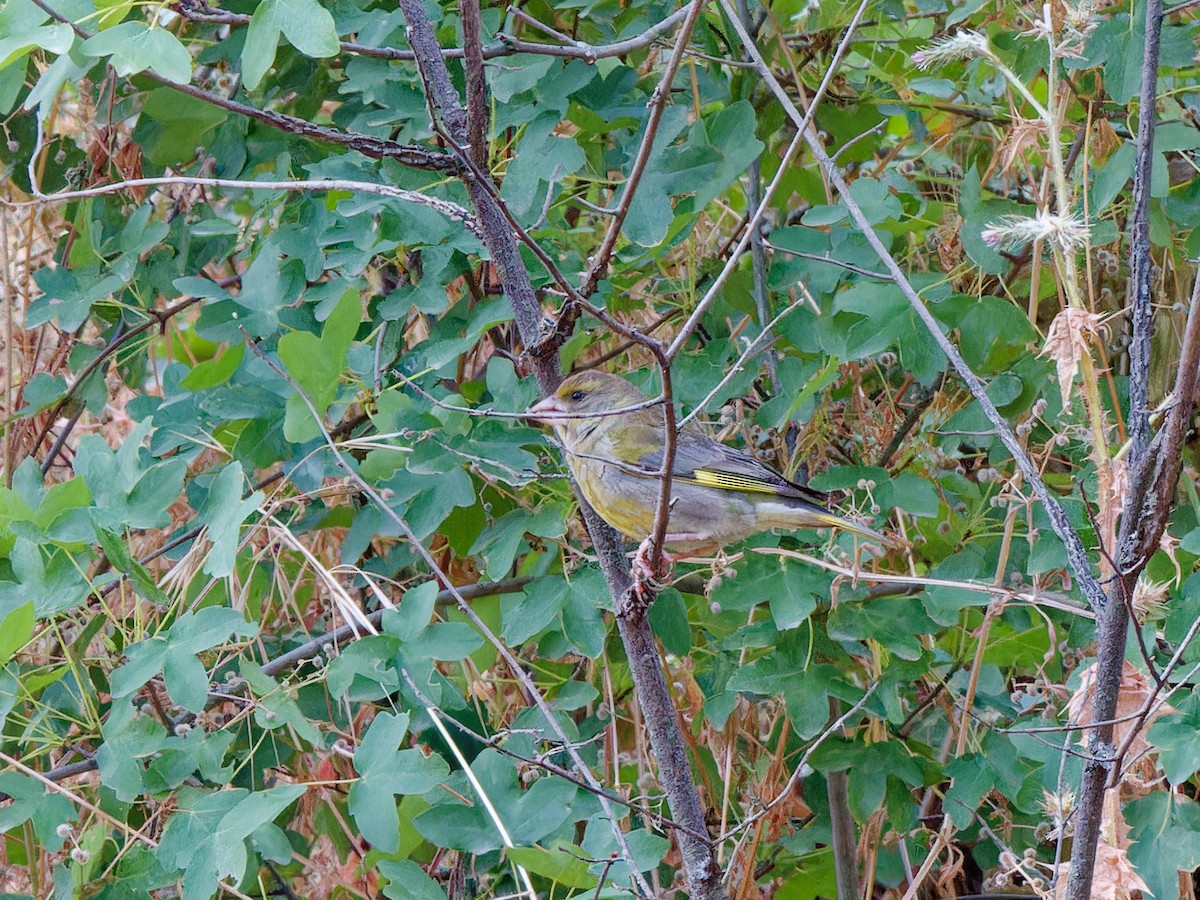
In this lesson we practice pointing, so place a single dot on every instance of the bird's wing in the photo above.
(701, 460)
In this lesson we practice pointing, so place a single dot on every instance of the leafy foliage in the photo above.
(234, 406)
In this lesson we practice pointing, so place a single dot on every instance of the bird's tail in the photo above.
(833, 520)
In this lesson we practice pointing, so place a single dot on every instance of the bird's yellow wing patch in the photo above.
(732, 481)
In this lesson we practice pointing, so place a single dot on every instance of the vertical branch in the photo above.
(477, 99)
(845, 843)
(1147, 506)
(1142, 526)
(497, 235)
(700, 868)
(1140, 316)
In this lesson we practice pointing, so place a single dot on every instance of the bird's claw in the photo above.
(648, 579)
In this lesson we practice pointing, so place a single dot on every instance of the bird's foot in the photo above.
(648, 579)
(645, 571)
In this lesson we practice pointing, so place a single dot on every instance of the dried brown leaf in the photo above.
(1068, 339)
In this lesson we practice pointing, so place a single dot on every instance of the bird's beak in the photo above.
(546, 405)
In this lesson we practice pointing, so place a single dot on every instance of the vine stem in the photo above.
(1065, 259)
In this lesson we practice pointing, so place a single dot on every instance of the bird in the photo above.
(720, 495)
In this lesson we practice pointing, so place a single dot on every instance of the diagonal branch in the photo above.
(1077, 555)
(658, 105)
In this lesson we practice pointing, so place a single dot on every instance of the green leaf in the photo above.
(206, 837)
(648, 850)
(896, 623)
(528, 815)
(213, 372)
(33, 802)
(408, 881)
(306, 24)
(173, 125)
(316, 365)
(533, 609)
(1165, 831)
(668, 616)
(174, 654)
(48, 575)
(364, 671)
(129, 492)
(134, 47)
(15, 631)
(276, 707)
(69, 296)
(385, 772)
(223, 513)
(561, 863)
(16, 45)
(582, 621)
(122, 560)
(1175, 737)
(1109, 182)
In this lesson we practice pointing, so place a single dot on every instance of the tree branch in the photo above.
(1141, 320)
(372, 147)
(1153, 481)
(506, 45)
(700, 866)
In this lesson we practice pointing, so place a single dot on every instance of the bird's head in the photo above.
(581, 397)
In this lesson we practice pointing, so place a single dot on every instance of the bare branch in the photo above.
(507, 45)
(1141, 320)
(657, 104)
(373, 147)
(477, 105)
(451, 210)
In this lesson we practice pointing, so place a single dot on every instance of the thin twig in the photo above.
(452, 210)
(802, 127)
(658, 105)
(506, 45)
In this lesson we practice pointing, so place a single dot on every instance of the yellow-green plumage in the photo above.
(719, 494)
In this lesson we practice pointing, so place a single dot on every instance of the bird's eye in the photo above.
(576, 396)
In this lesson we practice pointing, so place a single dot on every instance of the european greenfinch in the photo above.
(719, 494)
